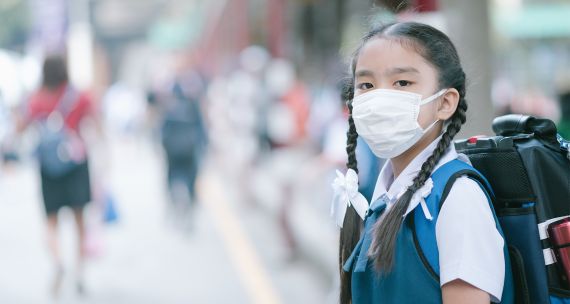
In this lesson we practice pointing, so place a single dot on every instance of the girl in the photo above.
(407, 101)
(71, 188)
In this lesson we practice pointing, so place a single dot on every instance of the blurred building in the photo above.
(515, 52)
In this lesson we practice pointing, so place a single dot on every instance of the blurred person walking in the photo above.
(57, 110)
(287, 119)
(184, 139)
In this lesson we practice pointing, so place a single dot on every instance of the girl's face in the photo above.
(386, 64)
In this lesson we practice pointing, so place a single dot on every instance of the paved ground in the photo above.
(233, 253)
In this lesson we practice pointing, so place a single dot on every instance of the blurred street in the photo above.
(145, 258)
(213, 131)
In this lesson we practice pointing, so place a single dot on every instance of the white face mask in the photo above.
(388, 120)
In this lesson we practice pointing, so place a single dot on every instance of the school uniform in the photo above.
(459, 237)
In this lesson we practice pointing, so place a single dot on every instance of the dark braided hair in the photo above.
(438, 50)
(350, 232)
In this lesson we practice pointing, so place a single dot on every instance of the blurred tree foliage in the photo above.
(14, 24)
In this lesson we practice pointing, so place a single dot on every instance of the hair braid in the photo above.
(350, 233)
(351, 141)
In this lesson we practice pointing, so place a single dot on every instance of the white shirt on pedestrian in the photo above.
(469, 244)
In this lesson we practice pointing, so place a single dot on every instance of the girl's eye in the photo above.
(365, 86)
(402, 83)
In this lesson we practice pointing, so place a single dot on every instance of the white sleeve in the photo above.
(470, 246)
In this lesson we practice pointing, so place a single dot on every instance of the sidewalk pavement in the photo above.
(144, 258)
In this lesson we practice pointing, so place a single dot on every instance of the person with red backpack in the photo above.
(57, 109)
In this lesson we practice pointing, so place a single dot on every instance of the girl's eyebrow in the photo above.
(401, 70)
(364, 73)
(389, 72)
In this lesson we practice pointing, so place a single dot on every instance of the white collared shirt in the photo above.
(469, 244)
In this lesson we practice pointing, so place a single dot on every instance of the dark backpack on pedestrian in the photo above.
(60, 150)
(528, 166)
(182, 129)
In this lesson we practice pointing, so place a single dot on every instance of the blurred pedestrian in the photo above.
(287, 119)
(184, 138)
(57, 110)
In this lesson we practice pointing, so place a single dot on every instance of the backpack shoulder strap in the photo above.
(424, 230)
(67, 100)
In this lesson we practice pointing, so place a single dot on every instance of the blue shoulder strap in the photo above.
(424, 230)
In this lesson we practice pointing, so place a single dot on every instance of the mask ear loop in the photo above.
(433, 97)
(430, 99)
(430, 126)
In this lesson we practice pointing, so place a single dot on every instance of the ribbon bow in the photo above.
(346, 194)
(419, 196)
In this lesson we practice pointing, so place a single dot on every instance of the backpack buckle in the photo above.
(564, 145)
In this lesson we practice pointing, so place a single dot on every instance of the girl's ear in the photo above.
(448, 104)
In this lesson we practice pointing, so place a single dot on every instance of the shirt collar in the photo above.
(393, 188)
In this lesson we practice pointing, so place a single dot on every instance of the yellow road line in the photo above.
(238, 245)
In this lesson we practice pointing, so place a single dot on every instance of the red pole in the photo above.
(276, 26)
(242, 27)
(424, 6)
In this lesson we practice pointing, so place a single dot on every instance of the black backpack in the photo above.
(528, 166)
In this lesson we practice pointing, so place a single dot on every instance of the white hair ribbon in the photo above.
(346, 194)
(419, 196)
